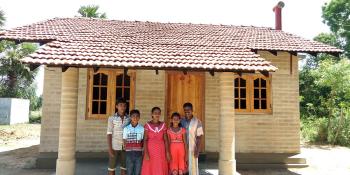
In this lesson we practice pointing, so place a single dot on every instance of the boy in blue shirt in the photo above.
(133, 144)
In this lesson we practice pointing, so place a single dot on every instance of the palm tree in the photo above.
(90, 11)
(2, 23)
(2, 18)
(15, 77)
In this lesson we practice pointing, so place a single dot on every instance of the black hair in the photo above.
(173, 115)
(156, 108)
(121, 100)
(134, 111)
(188, 105)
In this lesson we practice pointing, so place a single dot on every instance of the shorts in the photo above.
(118, 158)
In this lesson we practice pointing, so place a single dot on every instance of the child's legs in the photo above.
(181, 159)
(121, 159)
(138, 163)
(178, 157)
(129, 163)
(174, 164)
(112, 162)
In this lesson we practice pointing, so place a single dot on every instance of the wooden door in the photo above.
(183, 88)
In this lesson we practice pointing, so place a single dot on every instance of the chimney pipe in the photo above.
(278, 15)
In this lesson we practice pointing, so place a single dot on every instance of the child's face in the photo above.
(121, 108)
(156, 115)
(188, 112)
(176, 120)
(135, 119)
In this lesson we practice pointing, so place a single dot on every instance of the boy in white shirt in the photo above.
(116, 124)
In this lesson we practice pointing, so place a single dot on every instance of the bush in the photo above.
(340, 129)
(35, 117)
(315, 129)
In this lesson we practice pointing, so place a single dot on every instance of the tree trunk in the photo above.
(339, 125)
(12, 81)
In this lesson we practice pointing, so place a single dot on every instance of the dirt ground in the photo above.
(19, 145)
(19, 136)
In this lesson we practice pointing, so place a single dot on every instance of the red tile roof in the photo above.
(148, 56)
(100, 42)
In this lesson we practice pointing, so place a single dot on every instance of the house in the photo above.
(242, 81)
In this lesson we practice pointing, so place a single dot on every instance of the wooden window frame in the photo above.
(250, 94)
(111, 92)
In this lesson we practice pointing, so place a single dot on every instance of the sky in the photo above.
(300, 17)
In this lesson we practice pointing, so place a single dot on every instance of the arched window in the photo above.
(252, 93)
(240, 94)
(123, 89)
(99, 94)
(103, 89)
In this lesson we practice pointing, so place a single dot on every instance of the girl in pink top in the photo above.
(156, 154)
(178, 146)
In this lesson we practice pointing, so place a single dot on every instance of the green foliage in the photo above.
(326, 38)
(35, 117)
(36, 102)
(316, 130)
(325, 87)
(2, 18)
(335, 75)
(90, 11)
(325, 102)
(336, 15)
(312, 95)
(16, 80)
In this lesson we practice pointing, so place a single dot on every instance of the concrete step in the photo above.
(252, 166)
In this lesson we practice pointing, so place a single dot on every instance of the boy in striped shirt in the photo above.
(133, 141)
(116, 124)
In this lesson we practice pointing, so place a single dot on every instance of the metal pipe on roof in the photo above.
(278, 15)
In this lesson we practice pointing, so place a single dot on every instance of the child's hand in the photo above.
(196, 152)
(111, 153)
(146, 156)
(168, 156)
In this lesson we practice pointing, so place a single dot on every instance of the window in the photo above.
(252, 93)
(103, 89)
(123, 89)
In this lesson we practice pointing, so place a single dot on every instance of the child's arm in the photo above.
(166, 142)
(125, 136)
(109, 138)
(198, 145)
(124, 143)
(199, 134)
(145, 146)
(184, 137)
(168, 139)
(109, 142)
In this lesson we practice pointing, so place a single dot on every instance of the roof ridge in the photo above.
(112, 30)
(160, 22)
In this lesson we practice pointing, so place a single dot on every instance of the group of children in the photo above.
(153, 149)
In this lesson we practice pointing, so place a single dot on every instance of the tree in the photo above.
(326, 38)
(336, 15)
(335, 75)
(2, 23)
(90, 11)
(2, 18)
(16, 80)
